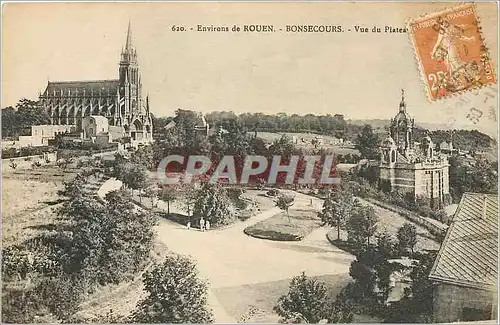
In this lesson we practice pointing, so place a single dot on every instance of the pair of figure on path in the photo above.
(204, 225)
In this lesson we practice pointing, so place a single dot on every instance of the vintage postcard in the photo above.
(266, 162)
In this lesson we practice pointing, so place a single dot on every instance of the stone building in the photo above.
(465, 273)
(41, 135)
(119, 100)
(412, 167)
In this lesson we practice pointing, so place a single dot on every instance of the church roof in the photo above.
(469, 253)
(96, 87)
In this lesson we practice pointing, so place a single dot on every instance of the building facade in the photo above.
(412, 167)
(120, 100)
(41, 135)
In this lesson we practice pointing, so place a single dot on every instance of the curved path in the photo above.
(229, 258)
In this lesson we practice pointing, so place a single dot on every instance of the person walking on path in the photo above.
(202, 224)
(188, 226)
(207, 225)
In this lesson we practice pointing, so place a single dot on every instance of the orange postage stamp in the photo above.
(451, 52)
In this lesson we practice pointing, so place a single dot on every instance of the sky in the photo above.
(359, 75)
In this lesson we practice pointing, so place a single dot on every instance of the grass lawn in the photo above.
(255, 302)
(281, 228)
(327, 141)
(27, 208)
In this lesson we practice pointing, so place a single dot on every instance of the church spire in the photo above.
(128, 43)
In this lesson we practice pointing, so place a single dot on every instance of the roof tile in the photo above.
(469, 253)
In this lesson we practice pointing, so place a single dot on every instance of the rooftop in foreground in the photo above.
(469, 253)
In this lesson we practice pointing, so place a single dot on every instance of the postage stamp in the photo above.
(451, 52)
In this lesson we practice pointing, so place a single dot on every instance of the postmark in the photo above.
(451, 52)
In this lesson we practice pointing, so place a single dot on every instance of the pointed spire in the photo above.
(402, 105)
(128, 43)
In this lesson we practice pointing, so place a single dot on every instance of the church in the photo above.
(413, 167)
(120, 100)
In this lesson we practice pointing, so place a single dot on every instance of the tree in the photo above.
(110, 239)
(175, 294)
(190, 195)
(337, 208)
(283, 147)
(341, 312)
(143, 156)
(168, 193)
(10, 122)
(367, 143)
(407, 236)
(152, 191)
(306, 297)
(362, 224)
(416, 306)
(134, 176)
(386, 244)
(284, 202)
(213, 204)
(26, 114)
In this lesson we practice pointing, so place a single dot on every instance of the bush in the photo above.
(175, 294)
(273, 192)
(307, 298)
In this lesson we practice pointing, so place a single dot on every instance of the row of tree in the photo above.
(17, 120)
(343, 211)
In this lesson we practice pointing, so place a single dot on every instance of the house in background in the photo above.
(465, 272)
(41, 135)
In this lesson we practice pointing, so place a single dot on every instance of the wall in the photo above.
(49, 131)
(449, 300)
(116, 132)
(93, 125)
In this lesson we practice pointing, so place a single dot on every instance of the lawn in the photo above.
(254, 303)
(27, 208)
(282, 228)
(327, 141)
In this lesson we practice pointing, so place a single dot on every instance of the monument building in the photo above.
(412, 167)
(119, 100)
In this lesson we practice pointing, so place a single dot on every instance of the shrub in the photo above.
(306, 298)
(175, 294)
(273, 192)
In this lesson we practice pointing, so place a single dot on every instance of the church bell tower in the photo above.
(130, 80)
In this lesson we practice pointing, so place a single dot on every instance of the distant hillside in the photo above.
(382, 123)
